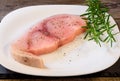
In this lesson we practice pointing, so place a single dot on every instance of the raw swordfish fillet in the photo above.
(45, 37)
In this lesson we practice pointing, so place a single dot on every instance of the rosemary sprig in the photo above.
(98, 23)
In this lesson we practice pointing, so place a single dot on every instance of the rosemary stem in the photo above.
(98, 23)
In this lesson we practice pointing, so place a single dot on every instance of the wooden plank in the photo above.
(118, 22)
(115, 13)
(110, 1)
(69, 79)
(7, 6)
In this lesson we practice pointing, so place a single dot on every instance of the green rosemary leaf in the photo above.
(86, 35)
(85, 14)
(98, 23)
(113, 26)
(116, 33)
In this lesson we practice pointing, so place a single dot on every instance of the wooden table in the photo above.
(7, 6)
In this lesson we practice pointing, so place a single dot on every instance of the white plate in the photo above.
(93, 58)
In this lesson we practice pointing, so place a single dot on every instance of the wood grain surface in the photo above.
(69, 79)
(7, 6)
